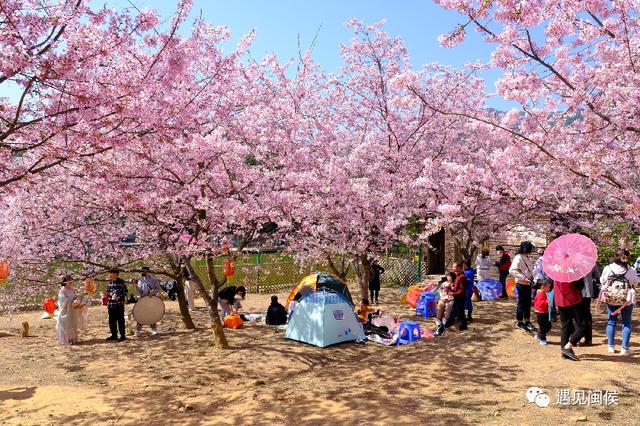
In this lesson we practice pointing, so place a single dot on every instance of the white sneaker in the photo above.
(627, 351)
(154, 332)
(611, 349)
(535, 336)
(136, 333)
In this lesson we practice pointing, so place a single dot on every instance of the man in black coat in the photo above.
(374, 281)
(276, 314)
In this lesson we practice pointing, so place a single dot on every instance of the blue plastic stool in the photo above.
(408, 331)
(426, 305)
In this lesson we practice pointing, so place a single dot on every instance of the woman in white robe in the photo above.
(189, 293)
(483, 265)
(66, 319)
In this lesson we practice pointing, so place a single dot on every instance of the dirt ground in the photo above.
(177, 377)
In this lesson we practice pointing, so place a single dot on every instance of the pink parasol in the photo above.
(570, 257)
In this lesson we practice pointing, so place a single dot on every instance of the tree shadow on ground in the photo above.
(179, 377)
(18, 393)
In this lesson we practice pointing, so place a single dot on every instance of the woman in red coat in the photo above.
(568, 298)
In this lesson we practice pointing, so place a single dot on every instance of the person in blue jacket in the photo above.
(470, 273)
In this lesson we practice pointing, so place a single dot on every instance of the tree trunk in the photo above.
(219, 337)
(218, 330)
(182, 303)
(341, 269)
(364, 274)
(177, 267)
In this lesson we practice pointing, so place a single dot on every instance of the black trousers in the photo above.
(373, 292)
(116, 320)
(569, 333)
(544, 325)
(585, 307)
(457, 312)
(503, 281)
(523, 310)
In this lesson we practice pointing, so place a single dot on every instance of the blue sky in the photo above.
(278, 23)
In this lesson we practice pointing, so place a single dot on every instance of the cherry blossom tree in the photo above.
(572, 66)
(386, 161)
(85, 81)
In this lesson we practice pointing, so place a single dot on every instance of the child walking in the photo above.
(541, 308)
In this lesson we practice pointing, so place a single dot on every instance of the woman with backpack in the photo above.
(618, 281)
(522, 269)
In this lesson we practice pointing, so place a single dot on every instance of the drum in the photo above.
(148, 310)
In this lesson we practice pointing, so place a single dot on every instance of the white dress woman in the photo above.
(189, 294)
(483, 265)
(66, 319)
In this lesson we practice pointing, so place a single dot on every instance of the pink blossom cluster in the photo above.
(127, 128)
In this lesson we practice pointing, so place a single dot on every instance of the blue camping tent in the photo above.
(324, 318)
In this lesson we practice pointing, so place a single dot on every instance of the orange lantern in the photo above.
(229, 267)
(90, 286)
(49, 306)
(4, 270)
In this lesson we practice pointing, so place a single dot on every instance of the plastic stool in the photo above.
(408, 331)
(426, 305)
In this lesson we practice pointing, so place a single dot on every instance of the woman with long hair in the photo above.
(66, 319)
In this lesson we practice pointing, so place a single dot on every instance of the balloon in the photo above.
(4, 270)
(49, 306)
(229, 267)
(90, 286)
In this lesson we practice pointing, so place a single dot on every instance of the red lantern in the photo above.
(4, 270)
(49, 306)
(229, 267)
(90, 286)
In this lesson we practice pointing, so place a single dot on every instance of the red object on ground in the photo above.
(232, 321)
(413, 296)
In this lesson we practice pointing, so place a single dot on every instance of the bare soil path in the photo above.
(477, 376)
